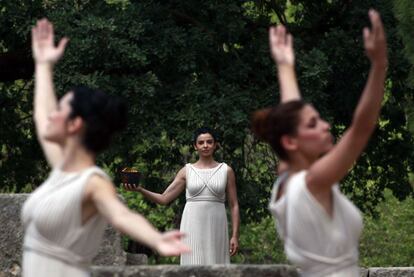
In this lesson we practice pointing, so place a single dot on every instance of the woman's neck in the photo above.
(206, 161)
(76, 158)
(298, 163)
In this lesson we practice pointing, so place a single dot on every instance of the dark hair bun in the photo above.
(103, 115)
(259, 124)
(271, 124)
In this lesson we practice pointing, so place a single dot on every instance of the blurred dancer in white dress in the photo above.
(65, 218)
(319, 225)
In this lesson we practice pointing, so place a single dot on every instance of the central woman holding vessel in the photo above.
(204, 219)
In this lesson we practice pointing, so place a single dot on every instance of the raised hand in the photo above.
(281, 49)
(171, 244)
(281, 45)
(43, 44)
(375, 43)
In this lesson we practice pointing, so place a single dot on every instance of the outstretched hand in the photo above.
(281, 45)
(375, 43)
(130, 187)
(43, 44)
(171, 244)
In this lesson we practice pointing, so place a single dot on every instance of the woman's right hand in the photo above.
(131, 187)
(43, 45)
(281, 46)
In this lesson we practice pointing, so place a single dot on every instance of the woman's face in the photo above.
(205, 145)
(58, 120)
(313, 134)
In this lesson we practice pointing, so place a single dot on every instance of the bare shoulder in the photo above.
(97, 183)
(182, 173)
(230, 170)
(231, 178)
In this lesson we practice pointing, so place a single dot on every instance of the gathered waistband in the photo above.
(37, 243)
(78, 264)
(205, 199)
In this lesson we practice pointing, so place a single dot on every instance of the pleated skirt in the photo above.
(205, 226)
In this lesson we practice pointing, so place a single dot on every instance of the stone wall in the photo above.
(223, 271)
(197, 271)
(231, 271)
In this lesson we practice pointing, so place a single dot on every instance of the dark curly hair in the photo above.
(204, 130)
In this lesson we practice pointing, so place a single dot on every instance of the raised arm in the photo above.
(234, 211)
(101, 195)
(170, 194)
(334, 165)
(45, 55)
(281, 49)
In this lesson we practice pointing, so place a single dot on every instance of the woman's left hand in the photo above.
(170, 244)
(234, 246)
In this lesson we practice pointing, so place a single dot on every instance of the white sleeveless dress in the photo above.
(319, 244)
(55, 242)
(204, 219)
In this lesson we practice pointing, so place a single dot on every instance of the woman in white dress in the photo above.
(65, 218)
(319, 225)
(204, 219)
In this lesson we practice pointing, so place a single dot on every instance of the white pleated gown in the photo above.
(56, 243)
(204, 219)
(321, 245)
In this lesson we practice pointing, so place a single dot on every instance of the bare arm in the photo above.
(170, 194)
(234, 209)
(101, 193)
(45, 55)
(281, 49)
(333, 166)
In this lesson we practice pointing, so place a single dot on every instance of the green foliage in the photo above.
(404, 11)
(17, 156)
(388, 239)
(259, 244)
